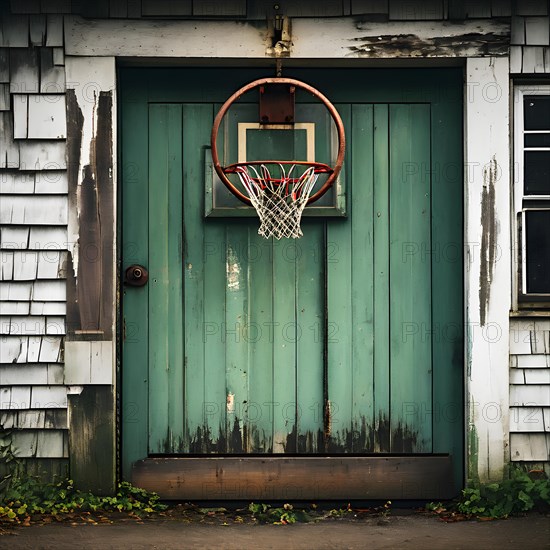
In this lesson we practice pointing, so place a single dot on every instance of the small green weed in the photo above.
(284, 515)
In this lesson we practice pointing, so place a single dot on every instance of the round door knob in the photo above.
(136, 275)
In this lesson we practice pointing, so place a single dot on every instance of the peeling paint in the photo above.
(488, 237)
(233, 270)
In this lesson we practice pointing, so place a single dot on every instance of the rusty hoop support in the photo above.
(292, 82)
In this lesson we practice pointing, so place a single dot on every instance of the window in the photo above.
(532, 195)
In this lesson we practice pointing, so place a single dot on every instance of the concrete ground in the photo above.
(398, 531)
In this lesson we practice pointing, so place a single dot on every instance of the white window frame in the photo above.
(521, 202)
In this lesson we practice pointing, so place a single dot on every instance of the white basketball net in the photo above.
(280, 201)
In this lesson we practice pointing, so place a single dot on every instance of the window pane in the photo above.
(538, 251)
(536, 112)
(536, 172)
(537, 140)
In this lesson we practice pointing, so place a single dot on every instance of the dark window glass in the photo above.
(537, 140)
(538, 251)
(536, 112)
(536, 172)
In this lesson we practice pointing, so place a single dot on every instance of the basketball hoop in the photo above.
(279, 190)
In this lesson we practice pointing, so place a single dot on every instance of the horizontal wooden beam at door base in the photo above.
(297, 478)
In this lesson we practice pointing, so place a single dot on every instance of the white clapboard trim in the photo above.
(14, 237)
(46, 117)
(41, 443)
(37, 29)
(17, 292)
(17, 183)
(15, 308)
(530, 446)
(530, 376)
(54, 30)
(15, 31)
(530, 395)
(48, 308)
(30, 349)
(35, 210)
(49, 238)
(26, 374)
(88, 363)
(530, 419)
(46, 419)
(42, 155)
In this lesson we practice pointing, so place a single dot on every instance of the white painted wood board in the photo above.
(533, 60)
(17, 292)
(143, 38)
(25, 265)
(24, 71)
(58, 57)
(538, 361)
(50, 238)
(34, 210)
(20, 116)
(487, 153)
(49, 291)
(530, 419)
(88, 363)
(35, 419)
(6, 267)
(530, 447)
(15, 397)
(52, 76)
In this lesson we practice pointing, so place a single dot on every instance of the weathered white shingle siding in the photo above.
(530, 391)
(33, 233)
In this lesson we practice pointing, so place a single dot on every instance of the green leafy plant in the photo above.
(284, 515)
(515, 495)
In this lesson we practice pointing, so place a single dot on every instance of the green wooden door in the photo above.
(348, 340)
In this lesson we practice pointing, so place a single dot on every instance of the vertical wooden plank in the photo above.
(236, 321)
(410, 279)
(197, 121)
(338, 412)
(135, 336)
(447, 273)
(213, 338)
(165, 279)
(284, 346)
(362, 226)
(381, 290)
(259, 336)
(310, 306)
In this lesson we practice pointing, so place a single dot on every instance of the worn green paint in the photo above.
(255, 346)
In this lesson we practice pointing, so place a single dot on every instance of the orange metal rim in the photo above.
(335, 171)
